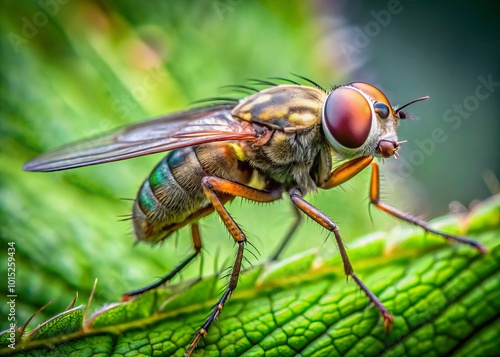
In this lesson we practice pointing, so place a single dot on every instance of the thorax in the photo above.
(293, 114)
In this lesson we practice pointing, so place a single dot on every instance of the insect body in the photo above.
(282, 160)
(285, 138)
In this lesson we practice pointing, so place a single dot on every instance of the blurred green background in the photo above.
(78, 69)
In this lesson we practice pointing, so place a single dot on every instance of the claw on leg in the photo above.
(388, 320)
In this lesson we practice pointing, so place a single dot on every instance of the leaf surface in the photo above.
(445, 300)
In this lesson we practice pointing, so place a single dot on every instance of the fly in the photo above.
(288, 136)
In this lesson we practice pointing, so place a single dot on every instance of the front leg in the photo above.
(347, 171)
(375, 200)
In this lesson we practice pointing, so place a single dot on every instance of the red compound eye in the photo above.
(348, 117)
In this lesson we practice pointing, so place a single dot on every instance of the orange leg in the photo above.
(327, 223)
(338, 176)
(213, 187)
(347, 171)
(375, 200)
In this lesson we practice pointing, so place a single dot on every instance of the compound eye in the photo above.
(382, 110)
(347, 117)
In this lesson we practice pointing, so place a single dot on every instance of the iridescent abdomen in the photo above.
(169, 195)
(173, 190)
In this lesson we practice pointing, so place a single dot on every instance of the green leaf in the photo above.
(62, 324)
(445, 299)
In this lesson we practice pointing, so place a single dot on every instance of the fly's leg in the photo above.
(341, 174)
(337, 177)
(375, 200)
(212, 186)
(347, 171)
(329, 224)
(195, 233)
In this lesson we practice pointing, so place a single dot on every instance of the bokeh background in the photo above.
(73, 69)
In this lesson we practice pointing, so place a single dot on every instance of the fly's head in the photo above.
(358, 120)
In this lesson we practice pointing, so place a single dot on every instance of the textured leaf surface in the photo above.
(445, 300)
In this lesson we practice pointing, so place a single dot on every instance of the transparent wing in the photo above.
(193, 127)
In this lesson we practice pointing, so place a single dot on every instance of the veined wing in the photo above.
(192, 127)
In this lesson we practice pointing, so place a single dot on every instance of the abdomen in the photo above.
(173, 190)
